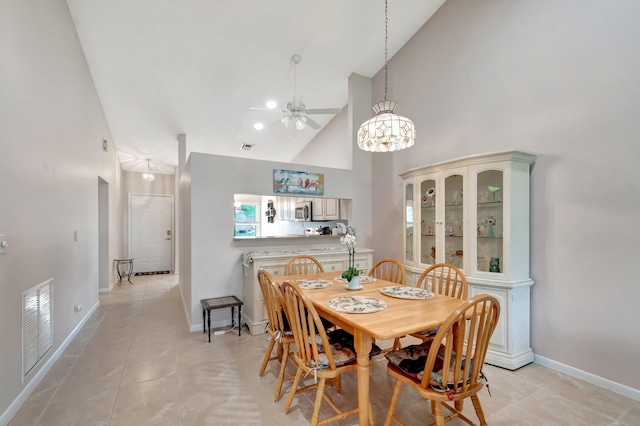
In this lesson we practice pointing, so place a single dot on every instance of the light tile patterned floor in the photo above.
(136, 363)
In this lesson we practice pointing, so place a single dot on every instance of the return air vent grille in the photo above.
(37, 324)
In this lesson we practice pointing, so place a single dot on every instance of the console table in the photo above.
(124, 268)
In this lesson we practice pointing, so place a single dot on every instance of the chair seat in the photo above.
(410, 362)
(342, 348)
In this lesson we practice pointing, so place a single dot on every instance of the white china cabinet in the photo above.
(473, 212)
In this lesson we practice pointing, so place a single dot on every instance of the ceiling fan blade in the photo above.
(323, 111)
(314, 125)
(269, 109)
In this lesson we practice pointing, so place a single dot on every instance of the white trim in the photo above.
(621, 389)
(37, 378)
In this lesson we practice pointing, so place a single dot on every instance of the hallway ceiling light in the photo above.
(386, 131)
(148, 176)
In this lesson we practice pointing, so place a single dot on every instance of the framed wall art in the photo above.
(295, 182)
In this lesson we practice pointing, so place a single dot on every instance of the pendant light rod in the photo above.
(386, 131)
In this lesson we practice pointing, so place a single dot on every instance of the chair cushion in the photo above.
(411, 361)
(427, 333)
(342, 348)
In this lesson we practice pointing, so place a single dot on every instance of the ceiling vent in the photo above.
(247, 146)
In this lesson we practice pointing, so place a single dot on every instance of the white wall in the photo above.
(559, 78)
(207, 188)
(50, 157)
(328, 148)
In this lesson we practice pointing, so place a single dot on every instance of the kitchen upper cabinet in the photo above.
(285, 208)
(325, 209)
(473, 212)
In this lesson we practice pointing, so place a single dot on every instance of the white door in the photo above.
(151, 232)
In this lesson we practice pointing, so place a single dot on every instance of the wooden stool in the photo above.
(218, 303)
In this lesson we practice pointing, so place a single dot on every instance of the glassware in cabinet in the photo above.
(408, 222)
(490, 221)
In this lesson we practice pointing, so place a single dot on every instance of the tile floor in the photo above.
(136, 363)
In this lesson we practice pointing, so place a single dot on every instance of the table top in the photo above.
(401, 317)
(129, 259)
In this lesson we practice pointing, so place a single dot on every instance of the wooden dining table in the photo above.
(400, 318)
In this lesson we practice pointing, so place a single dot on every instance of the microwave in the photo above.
(303, 211)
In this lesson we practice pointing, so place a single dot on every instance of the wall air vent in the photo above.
(37, 324)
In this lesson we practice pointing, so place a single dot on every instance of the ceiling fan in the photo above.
(297, 115)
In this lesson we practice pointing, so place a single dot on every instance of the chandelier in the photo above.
(386, 131)
(148, 176)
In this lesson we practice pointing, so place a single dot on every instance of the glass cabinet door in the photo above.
(428, 221)
(454, 220)
(408, 223)
(490, 213)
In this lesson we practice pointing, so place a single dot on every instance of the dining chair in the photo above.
(448, 368)
(303, 264)
(389, 270)
(440, 278)
(315, 355)
(278, 327)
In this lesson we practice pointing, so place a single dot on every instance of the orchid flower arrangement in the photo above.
(349, 240)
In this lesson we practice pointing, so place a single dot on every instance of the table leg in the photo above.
(118, 271)
(233, 316)
(239, 320)
(204, 323)
(363, 347)
(130, 272)
(209, 323)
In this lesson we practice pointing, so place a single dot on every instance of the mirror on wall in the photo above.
(258, 216)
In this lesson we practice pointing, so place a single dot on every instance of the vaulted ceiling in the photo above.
(165, 67)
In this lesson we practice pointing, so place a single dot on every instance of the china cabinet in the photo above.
(473, 212)
(273, 261)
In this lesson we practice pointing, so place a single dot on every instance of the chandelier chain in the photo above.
(386, 31)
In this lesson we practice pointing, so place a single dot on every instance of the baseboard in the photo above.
(621, 389)
(37, 378)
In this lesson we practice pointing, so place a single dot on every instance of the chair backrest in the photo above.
(303, 264)
(462, 340)
(306, 325)
(446, 279)
(389, 270)
(273, 302)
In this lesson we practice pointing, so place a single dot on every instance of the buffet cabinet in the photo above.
(254, 313)
(473, 212)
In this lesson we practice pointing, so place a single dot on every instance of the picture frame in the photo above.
(297, 182)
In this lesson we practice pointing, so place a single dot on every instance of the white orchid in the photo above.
(349, 240)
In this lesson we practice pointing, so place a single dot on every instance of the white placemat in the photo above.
(313, 284)
(356, 304)
(406, 292)
(364, 279)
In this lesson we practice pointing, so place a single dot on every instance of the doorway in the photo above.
(151, 233)
(103, 235)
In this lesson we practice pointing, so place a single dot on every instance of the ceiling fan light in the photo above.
(286, 121)
(301, 122)
(386, 131)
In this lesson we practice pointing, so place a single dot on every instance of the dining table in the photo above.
(392, 314)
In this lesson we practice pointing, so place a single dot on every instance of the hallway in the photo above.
(134, 362)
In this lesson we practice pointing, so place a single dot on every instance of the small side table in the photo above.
(218, 303)
(124, 268)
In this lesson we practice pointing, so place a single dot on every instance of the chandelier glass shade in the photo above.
(148, 176)
(386, 131)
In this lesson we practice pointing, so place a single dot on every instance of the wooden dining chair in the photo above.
(303, 264)
(389, 270)
(448, 369)
(278, 327)
(315, 355)
(440, 278)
